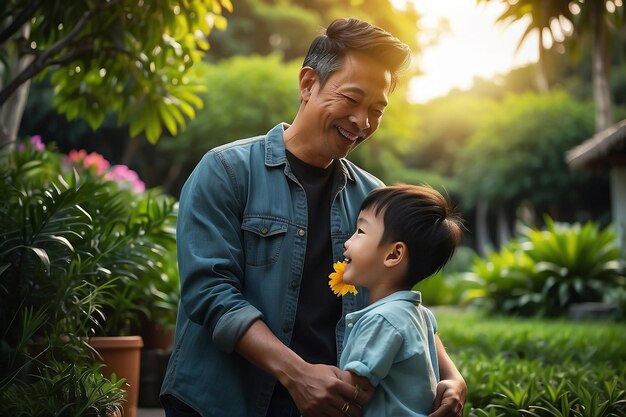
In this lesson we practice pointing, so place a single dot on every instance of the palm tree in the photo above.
(545, 18)
(600, 22)
(596, 18)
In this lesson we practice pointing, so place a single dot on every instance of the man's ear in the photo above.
(308, 78)
(398, 252)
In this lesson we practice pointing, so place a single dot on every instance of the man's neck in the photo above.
(300, 147)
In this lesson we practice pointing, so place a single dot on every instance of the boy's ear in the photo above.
(398, 252)
(308, 77)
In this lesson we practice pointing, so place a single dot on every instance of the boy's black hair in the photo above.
(423, 219)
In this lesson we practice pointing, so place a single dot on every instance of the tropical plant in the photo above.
(75, 241)
(126, 56)
(162, 290)
(544, 272)
(597, 20)
(448, 286)
(227, 106)
(63, 390)
(541, 17)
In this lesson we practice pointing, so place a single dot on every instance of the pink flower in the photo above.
(96, 161)
(37, 143)
(126, 177)
(122, 173)
(77, 156)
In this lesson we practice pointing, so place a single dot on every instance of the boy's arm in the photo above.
(451, 389)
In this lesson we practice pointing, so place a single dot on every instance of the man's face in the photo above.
(348, 108)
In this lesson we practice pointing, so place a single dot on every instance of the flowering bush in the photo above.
(97, 164)
(80, 243)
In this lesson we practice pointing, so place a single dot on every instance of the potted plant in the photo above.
(52, 289)
(161, 294)
(74, 242)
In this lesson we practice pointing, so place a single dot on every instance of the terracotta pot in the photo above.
(155, 336)
(122, 355)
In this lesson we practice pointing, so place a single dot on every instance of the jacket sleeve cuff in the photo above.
(232, 325)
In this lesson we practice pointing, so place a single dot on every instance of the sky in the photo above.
(475, 45)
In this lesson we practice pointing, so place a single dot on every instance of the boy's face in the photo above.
(364, 254)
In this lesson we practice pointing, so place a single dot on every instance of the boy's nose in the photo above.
(346, 244)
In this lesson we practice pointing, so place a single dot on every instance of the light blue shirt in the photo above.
(392, 343)
(241, 241)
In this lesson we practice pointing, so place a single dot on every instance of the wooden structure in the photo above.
(606, 151)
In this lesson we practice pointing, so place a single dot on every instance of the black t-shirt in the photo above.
(319, 310)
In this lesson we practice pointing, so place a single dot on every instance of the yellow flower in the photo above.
(336, 281)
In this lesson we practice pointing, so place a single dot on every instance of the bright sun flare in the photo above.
(475, 45)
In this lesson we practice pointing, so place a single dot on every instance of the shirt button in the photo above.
(294, 284)
(301, 232)
(286, 328)
(350, 324)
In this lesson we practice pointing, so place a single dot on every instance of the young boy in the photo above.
(404, 234)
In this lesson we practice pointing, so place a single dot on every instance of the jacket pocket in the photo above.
(263, 239)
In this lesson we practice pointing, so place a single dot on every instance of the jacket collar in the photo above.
(275, 154)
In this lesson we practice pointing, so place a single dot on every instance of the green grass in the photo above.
(537, 367)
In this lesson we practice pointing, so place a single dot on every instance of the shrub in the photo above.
(447, 287)
(544, 272)
(76, 249)
(536, 367)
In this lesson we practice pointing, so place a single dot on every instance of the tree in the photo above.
(516, 159)
(232, 110)
(544, 17)
(596, 19)
(287, 27)
(126, 56)
(601, 23)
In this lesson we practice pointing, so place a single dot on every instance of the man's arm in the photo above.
(318, 390)
(451, 390)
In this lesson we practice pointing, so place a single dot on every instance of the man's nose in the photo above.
(360, 119)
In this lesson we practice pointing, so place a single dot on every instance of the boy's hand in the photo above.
(449, 399)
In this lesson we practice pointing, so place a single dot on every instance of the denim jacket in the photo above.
(241, 241)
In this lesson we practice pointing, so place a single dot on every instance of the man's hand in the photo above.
(449, 399)
(318, 390)
(324, 390)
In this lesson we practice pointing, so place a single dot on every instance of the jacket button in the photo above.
(264, 231)
(286, 328)
(294, 284)
(301, 232)
(350, 324)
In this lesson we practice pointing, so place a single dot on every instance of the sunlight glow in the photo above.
(474, 46)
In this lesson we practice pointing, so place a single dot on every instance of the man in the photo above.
(260, 222)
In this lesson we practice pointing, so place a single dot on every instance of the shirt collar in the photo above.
(414, 297)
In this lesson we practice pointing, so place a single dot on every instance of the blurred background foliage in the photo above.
(539, 235)
(497, 148)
